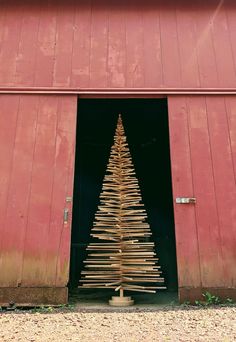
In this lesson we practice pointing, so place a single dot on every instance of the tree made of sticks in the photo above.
(126, 259)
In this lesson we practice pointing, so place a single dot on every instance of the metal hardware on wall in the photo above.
(66, 216)
(185, 200)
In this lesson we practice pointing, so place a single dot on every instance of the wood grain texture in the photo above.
(135, 76)
(204, 189)
(64, 165)
(225, 189)
(64, 45)
(187, 37)
(152, 48)
(45, 60)
(37, 158)
(33, 296)
(169, 46)
(41, 193)
(2, 19)
(19, 191)
(27, 50)
(80, 68)
(103, 44)
(116, 59)
(126, 44)
(230, 103)
(8, 127)
(98, 45)
(223, 47)
(202, 138)
(11, 36)
(230, 13)
(186, 233)
(204, 44)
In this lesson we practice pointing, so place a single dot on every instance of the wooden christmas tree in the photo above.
(126, 259)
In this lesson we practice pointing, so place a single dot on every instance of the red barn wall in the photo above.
(127, 44)
(203, 157)
(37, 160)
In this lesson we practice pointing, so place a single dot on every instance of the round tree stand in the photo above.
(121, 300)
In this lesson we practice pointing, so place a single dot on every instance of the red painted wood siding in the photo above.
(36, 156)
(203, 156)
(106, 44)
(127, 43)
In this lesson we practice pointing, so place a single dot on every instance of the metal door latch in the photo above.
(66, 216)
(185, 200)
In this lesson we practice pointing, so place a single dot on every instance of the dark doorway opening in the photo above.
(146, 128)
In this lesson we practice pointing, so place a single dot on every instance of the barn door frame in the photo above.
(127, 96)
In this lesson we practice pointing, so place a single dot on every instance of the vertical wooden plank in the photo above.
(205, 49)
(231, 117)
(134, 46)
(81, 45)
(8, 123)
(64, 44)
(225, 185)
(10, 44)
(99, 45)
(67, 132)
(231, 22)
(116, 46)
(44, 67)
(2, 19)
(212, 268)
(39, 212)
(222, 47)
(185, 221)
(170, 46)
(152, 46)
(58, 240)
(25, 61)
(36, 177)
(18, 193)
(185, 17)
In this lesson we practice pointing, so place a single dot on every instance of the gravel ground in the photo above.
(164, 324)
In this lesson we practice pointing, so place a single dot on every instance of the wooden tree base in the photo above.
(121, 301)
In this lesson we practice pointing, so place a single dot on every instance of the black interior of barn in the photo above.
(146, 127)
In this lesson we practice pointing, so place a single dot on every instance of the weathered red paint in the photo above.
(203, 166)
(125, 44)
(37, 156)
(190, 294)
(33, 296)
(159, 46)
(185, 222)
